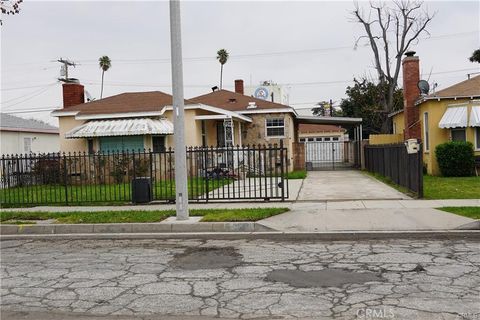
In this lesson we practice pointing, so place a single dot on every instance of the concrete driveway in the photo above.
(345, 185)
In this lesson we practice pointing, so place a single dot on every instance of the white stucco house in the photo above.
(21, 136)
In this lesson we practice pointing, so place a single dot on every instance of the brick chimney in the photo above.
(73, 94)
(239, 86)
(411, 92)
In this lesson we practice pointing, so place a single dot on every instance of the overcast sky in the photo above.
(307, 46)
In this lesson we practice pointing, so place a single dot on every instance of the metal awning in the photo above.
(475, 117)
(121, 127)
(454, 117)
(341, 121)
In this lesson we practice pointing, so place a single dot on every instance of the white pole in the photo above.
(178, 112)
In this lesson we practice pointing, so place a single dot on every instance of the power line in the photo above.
(31, 97)
(26, 95)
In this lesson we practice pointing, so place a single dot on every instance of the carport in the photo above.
(332, 155)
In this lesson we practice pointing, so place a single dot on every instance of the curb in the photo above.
(125, 228)
(272, 235)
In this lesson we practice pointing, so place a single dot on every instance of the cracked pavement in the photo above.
(400, 279)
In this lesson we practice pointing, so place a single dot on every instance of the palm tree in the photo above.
(105, 64)
(222, 57)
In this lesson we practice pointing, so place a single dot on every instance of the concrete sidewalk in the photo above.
(297, 206)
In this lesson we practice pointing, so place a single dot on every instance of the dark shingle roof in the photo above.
(12, 123)
(232, 101)
(125, 103)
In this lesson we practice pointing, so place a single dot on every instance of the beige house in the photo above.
(143, 120)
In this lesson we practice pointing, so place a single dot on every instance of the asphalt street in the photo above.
(204, 279)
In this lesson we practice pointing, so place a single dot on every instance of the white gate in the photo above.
(327, 155)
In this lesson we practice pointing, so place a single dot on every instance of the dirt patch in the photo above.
(321, 278)
(207, 258)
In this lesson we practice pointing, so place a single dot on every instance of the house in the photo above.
(130, 121)
(20, 136)
(144, 120)
(321, 133)
(451, 114)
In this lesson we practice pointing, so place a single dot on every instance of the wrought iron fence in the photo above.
(214, 173)
(394, 162)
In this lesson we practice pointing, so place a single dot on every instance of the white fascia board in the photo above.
(212, 117)
(228, 113)
(119, 115)
(279, 110)
(60, 113)
(423, 99)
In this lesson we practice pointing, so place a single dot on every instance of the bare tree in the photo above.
(10, 7)
(390, 31)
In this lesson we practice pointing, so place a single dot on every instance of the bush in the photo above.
(455, 158)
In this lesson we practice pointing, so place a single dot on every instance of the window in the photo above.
(311, 139)
(327, 138)
(158, 143)
(459, 134)
(426, 135)
(119, 144)
(90, 146)
(275, 127)
(27, 145)
(302, 139)
(477, 138)
(394, 128)
(318, 139)
(335, 138)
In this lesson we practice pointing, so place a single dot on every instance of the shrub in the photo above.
(455, 158)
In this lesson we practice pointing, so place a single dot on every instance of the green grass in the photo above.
(469, 212)
(99, 194)
(451, 187)
(217, 215)
(299, 174)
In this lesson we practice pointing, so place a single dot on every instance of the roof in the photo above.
(12, 123)
(123, 127)
(467, 88)
(236, 102)
(123, 103)
(314, 128)
(344, 121)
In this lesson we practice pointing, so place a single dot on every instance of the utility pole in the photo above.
(64, 71)
(178, 112)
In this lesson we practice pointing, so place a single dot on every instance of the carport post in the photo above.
(181, 190)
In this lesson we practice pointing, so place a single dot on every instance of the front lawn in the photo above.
(469, 212)
(100, 193)
(451, 187)
(141, 216)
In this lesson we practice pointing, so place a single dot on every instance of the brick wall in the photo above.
(411, 76)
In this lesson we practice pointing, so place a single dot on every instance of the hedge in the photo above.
(455, 158)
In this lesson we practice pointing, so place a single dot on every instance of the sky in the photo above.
(306, 46)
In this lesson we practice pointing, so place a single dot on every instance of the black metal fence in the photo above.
(394, 162)
(229, 173)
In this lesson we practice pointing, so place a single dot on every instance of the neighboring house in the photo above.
(451, 114)
(20, 136)
(144, 120)
(321, 133)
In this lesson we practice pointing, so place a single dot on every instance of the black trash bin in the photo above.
(142, 190)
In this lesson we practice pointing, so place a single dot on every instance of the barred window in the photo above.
(275, 127)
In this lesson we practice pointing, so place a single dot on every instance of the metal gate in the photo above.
(329, 155)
